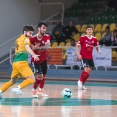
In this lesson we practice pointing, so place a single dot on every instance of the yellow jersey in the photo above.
(21, 53)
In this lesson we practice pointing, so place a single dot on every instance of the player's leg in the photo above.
(42, 83)
(14, 77)
(91, 66)
(27, 73)
(39, 77)
(84, 73)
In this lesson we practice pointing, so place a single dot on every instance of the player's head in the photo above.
(115, 32)
(89, 30)
(28, 30)
(71, 23)
(73, 42)
(42, 27)
(107, 29)
(58, 23)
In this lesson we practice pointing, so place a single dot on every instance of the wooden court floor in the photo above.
(100, 100)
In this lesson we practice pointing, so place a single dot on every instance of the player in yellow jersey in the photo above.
(20, 65)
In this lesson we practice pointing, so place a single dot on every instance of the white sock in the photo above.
(0, 91)
(40, 89)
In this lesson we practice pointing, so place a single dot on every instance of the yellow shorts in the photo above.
(21, 69)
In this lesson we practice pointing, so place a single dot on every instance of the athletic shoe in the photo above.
(16, 90)
(79, 85)
(84, 88)
(34, 94)
(1, 97)
(42, 93)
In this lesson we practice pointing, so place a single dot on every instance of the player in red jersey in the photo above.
(87, 43)
(39, 40)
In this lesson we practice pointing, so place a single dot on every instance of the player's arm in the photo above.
(96, 44)
(36, 47)
(31, 52)
(77, 50)
(98, 50)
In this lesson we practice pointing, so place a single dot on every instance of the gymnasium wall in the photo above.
(14, 14)
(67, 3)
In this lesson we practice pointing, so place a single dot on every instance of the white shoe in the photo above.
(79, 85)
(1, 97)
(16, 90)
(84, 88)
(42, 93)
(34, 94)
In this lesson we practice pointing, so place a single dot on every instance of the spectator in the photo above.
(106, 40)
(114, 39)
(57, 31)
(73, 43)
(69, 31)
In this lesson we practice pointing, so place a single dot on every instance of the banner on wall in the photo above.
(54, 56)
(72, 58)
(104, 59)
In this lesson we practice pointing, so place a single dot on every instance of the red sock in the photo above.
(41, 85)
(83, 75)
(37, 81)
(86, 77)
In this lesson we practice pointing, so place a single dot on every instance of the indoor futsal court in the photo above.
(100, 100)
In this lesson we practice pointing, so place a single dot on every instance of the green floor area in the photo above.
(56, 102)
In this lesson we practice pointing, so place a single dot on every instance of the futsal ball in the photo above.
(66, 93)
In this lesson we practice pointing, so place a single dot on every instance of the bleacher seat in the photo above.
(103, 34)
(83, 34)
(97, 28)
(105, 12)
(112, 19)
(83, 28)
(68, 44)
(105, 19)
(78, 27)
(112, 26)
(98, 20)
(91, 20)
(76, 37)
(92, 26)
(103, 27)
(98, 36)
(114, 56)
(112, 11)
(55, 44)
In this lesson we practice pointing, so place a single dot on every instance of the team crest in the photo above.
(92, 41)
(27, 40)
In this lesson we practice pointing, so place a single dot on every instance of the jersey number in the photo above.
(16, 45)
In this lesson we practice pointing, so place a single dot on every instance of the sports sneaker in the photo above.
(84, 88)
(42, 93)
(1, 97)
(34, 94)
(79, 85)
(16, 90)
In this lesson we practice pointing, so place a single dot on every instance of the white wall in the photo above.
(67, 3)
(14, 14)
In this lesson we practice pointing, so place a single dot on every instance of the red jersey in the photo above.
(87, 45)
(34, 40)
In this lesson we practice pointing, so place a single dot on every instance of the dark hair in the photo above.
(28, 28)
(115, 30)
(73, 40)
(42, 23)
(107, 27)
(89, 26)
